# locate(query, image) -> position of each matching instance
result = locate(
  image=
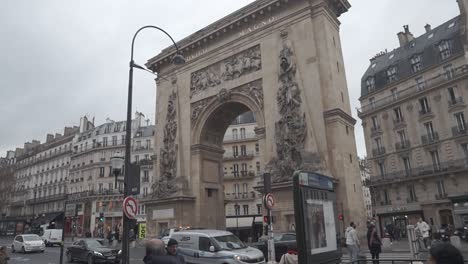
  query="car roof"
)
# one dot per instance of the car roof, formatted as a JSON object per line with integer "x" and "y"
{"x": 207, "y": 232}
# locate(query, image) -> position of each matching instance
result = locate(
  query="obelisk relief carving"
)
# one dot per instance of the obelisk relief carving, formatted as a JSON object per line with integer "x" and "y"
{"x": 166, "y": 184}
{"x": 291, "y": 128}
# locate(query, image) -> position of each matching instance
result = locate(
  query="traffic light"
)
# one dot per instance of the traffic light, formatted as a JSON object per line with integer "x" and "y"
{"x": 74, "y": 225}
{"x": 266, "y": 219}
{"x": 101, "y": 217}
{"x": 340, "y": 217}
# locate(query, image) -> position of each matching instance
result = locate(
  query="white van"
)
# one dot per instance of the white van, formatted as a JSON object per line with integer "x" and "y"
{"x": 52, "y": 237}
{"x": 215, "y": 246}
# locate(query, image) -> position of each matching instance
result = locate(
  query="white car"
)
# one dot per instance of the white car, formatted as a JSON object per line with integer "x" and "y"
{"x": 28, "y": 243}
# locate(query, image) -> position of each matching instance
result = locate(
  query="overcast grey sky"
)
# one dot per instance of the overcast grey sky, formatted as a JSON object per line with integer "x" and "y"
{"x": 64, "y": 59}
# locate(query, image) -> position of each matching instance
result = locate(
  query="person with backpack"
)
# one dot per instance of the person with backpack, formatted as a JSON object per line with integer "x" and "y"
{"x": 374, "y": 243}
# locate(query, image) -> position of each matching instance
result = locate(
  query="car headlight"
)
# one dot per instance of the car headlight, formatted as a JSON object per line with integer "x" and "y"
{"x": 98, "y": 254}
{"x": 120, "y": 252}
{"x": 240, "y": 258}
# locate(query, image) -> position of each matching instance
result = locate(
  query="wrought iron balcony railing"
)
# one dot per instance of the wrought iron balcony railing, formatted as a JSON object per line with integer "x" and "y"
{"x": 430, "y": 138}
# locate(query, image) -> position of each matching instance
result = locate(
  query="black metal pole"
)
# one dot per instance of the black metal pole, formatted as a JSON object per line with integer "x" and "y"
{"x": 126, "y": 222}
{"x": 63, "y": 231}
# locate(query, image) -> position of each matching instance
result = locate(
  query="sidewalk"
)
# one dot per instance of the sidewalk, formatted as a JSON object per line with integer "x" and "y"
{"x": 403, "y": 246}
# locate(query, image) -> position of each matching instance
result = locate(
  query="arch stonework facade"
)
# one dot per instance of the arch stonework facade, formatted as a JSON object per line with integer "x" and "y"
{"x": 279, "y": 59}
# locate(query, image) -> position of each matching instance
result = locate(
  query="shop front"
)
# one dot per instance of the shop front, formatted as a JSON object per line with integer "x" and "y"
{"x": 393, "y": 220}
{"x": 247, "y": 227}
{"x": 460, "y": 210}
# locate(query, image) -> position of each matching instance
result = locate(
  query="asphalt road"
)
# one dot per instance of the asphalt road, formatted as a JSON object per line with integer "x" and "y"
{"x": 52, "y": 254}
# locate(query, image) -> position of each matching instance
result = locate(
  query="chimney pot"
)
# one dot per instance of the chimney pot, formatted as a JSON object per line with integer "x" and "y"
{"x": 427, "y": 27}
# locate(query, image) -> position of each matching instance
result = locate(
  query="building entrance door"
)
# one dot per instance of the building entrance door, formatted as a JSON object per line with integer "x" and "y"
{"x": 400, "y": 227}
{"x": 446, "y": 217}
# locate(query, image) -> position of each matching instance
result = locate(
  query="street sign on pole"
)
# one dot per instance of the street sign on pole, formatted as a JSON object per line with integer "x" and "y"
{"x": 268, "y": 201}
{"x": 130, "y": 207}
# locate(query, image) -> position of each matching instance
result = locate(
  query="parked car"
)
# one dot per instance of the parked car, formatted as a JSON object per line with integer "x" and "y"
{"x": 282, "y": 242}
{"x": 28, "y": 243}
{"x": 93, "y": 251}
{"x": 52, "y": 237}
{"x": 215, "y": 246}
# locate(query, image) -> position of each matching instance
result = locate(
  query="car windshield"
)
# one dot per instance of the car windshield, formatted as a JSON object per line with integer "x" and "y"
{"x": 93, "y": 243}
{"x": 32, "y": 238}
{"x": 229, "y": 242}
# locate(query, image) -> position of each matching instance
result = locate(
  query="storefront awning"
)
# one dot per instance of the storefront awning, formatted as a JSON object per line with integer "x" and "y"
{"x": 242, "y": 221}
{"x": 47, "y": 218}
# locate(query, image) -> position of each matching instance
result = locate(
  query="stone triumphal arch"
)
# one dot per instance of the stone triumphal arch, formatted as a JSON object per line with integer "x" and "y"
{"x": 280, "y": 59}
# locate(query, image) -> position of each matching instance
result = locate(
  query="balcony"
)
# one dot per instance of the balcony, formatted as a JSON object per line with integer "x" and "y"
{"x": 236, "y": 156}
{"x": 399, "y": 122}
{"x": 375, "y": 130}
{"x": 399, "y": 146}
{"x": 459, "y": 131}
{"x": 239, "y": 196}
{"x": 414, "y": 200}
{"x": 430, "y": 138}
{"x": 231, "y": 138}
{"x": 411, "y": 90}
{"x": 441, "y": 196}
{"x": 378, "y": 152}
{"x": 141, "y": 148}
{"x": 425, "y": 112}
{"x": 457, "y": 101}
{"x": 422, "y": 172}
{"x": 50, "y": 198}
{"x": 241, "y": 175}
{"x": 383, "y": 203}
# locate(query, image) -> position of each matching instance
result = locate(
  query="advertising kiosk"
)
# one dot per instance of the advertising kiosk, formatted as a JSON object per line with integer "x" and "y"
{"x": 317, "y": 228}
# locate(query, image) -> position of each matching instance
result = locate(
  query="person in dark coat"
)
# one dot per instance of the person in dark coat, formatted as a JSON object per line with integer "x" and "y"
{"x": 171, "y": 249}
{"x": 374, "y": 243}
{"x": 155, "y": 253}
{"x": 445, "y": 253}
{"x": 3, "y": 255}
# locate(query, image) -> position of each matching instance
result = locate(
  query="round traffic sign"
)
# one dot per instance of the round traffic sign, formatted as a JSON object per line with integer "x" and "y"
{"x": 130, "y": 207}
{"x": 268, "y": 200}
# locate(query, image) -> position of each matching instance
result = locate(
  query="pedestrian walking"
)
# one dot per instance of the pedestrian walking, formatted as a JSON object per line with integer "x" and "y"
{"x": 155, "y": 253}
{"x": 352, "y": 242}
{"x": 374, "y": 244}
{"x": 423, "y": 227}
{"x": 3, "y": 255}
{"x": 445, "y": 253}
{"x": 290, "y": 257}
{"x": 171, "y": 249}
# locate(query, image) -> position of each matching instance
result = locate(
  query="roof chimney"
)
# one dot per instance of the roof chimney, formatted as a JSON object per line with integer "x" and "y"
{"x": 49, "y": 138}
{"x": 427, "y": 27}
{"x": 405, "y": 37}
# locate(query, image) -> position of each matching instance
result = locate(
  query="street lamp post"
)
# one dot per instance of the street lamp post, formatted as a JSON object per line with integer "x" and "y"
{"x": 176, "y": 59}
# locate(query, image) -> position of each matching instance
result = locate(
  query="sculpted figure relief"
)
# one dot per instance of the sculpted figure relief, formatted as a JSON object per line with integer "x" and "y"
{"x": 231, "y": 68}
{"x": 291, "y": 128}
{"x": 166, "y": 186}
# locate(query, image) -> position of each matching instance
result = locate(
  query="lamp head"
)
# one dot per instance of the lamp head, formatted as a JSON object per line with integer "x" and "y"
{"x": 178, "y": 59}
{"x": 117, "y": 161}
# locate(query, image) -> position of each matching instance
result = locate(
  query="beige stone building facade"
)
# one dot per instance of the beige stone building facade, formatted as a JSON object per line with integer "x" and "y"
{"x": 413, "y": 112}
{"x": 281, "y": 60}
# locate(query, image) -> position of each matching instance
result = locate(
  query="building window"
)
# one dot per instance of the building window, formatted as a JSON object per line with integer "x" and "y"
{"x": 235, "y": 170}
{"x": 242, "y": 133}
{"x": 235, "y": 151}
{"x": 243, "y": 150}
{"x": 110, "y": 186}
{"x": 416, "y": 63}
{"x": 137, "y": 158}
{"x": 372, "y": 102}
{"x": 435, "y": 160}
{"x": 145, "y": 176}
{"x": 424, "y": 106}
{"x": 378, "y": 143}
{"x": 246, "y": 209}
{"x": 114, "y": 140}
{"x": 412, "y": 194}
{"x": 110, "y": 171}
{"x": 234, "y": 134}
{"x": 398, "y": 115}
{"x": 100, "y": 187}
{"x": 392, "y": 74}
{"x": 381, "y": 166}
{"x": 258, "y": 166}
{"x": 460, "y": 117}
{"x": 245, "y": 188}
{"x": 148, "y": 143}
{"x": 145, "y": 191}
{"x": 122, "y": 140}
{"x": 244, "y": 169}
{"x": 429, "y": 130}
{"x": 104, "y": 141}
{"x": 440, "y": 187}
{"x": 101, "y": 172}
{"x": 449, "y": 72}
{"x": 444, "y": 49}
{"x": 237, "y": 209}
{"x": 257, "y": 148}
{"x": 259, "y": 209}
{"x": 375, "y": 123}
{"x": 407, "y": 164}
{"x": 370, "y": 84}
{"x": 402, "y": 137}
{"x": 420, "y": 83}
{"x": 386, "y": 197}
{"x": 452, "y": 96}
{"x": 394, "y": 92}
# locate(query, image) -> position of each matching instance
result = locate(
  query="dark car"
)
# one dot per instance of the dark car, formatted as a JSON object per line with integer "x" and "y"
{"x": 92, "y": 251}
{"x": 282, "y": 242}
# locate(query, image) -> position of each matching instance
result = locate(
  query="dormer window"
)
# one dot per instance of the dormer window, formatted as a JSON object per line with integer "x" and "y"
{"x": 416, "y": 63}
{"x": 370, "y": 84}
{"x": 392, "y": 74}
{"x": 444, "y": 49}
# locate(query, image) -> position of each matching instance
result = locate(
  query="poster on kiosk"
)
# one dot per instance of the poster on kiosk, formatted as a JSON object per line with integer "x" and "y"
{"x": 317, "y": 229}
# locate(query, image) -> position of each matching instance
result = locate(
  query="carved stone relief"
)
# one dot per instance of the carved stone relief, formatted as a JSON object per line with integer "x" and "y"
{"x": 409, "y": 107}
{"x": 437, "y": 97}
{"x": 166, "y": 185}
{"x": 231, "y": 68}
{"x": 253, "y": 89}
{"x": 291, "y": 128}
